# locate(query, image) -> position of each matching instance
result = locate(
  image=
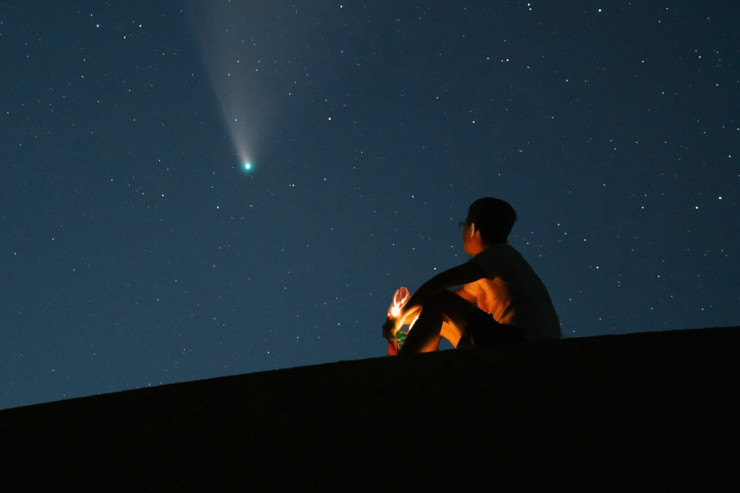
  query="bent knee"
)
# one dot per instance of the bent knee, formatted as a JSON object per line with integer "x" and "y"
{"x": 450, "y": 306}
{"x": 447, "y": 300}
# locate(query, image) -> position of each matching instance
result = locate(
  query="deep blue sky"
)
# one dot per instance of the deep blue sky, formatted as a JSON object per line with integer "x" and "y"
{"x": 134, "y": 251}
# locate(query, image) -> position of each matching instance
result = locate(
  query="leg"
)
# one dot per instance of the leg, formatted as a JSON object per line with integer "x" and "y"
{"x": 483, "y": 330}
{"x": 444, "y": 315}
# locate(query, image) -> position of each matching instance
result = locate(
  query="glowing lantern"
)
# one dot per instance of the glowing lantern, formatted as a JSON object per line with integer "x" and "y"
{"x": 400, "y": 298}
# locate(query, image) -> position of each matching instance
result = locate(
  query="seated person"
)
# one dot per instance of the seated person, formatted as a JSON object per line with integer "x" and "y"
{"x": 501, "y": 299}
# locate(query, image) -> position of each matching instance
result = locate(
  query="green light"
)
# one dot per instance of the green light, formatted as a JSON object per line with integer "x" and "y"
{"x": 247, "y": 166}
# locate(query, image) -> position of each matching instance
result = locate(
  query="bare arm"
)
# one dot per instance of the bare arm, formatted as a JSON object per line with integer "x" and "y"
{"x": 456, "y": 276}
{"x": 466, "y": 296}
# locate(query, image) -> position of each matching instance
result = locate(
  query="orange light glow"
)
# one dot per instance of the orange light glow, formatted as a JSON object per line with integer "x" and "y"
{"x": 399, "y": 300}
{"x": 401, "y": 326}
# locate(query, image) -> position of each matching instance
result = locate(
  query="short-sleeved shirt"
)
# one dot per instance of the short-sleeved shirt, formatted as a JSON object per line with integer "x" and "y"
{"x": 513, "y": 293}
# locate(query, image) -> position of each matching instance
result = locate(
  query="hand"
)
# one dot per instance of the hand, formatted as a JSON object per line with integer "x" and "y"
{"x": 389, "y": 328}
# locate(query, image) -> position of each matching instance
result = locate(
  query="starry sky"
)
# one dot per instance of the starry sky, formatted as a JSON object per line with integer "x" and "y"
{"x": 136, "y": 249}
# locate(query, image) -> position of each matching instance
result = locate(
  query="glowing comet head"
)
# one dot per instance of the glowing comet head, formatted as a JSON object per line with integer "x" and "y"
{"x": 245, "y": 157}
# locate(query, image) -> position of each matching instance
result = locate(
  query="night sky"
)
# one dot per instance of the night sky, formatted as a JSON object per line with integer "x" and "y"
{"x": 136, "y": 249}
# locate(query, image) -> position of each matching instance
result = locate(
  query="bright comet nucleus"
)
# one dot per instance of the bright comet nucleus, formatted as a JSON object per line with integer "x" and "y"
{"x": 247, "y": 166}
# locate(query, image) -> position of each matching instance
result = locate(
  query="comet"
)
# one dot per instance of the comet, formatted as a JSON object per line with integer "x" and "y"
{"x": 232, "y": 67}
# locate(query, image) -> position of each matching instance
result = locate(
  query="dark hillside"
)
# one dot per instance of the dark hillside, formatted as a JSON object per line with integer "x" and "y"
{"x": 648, "y": 411}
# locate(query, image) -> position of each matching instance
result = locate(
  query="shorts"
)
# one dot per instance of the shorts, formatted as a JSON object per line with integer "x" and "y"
{"x": 483, "y": 330}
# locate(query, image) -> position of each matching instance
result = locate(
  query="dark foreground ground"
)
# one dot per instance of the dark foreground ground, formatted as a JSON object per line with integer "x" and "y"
{"x": 651, "y": 411}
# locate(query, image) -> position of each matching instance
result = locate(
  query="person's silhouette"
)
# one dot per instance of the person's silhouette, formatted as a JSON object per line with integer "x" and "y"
{"x": 493, "y": 298}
